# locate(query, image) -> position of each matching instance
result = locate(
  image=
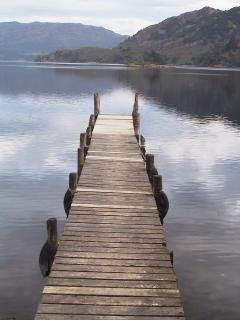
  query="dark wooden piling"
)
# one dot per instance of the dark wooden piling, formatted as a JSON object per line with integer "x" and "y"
{"x": 135, "y": 106}
{"x": 92, "y": 121}
{"x": 49, "y": 248}
{"x": 73, "y": 177}
{"x": 136, "y": 124}
{"x": 157, "y": 185}
{"x": 82, "y": 140}
{"x": 142, "y": 146}
{"x": 88, "y": 135}
{"x": 52, "y": 230}
{"x": 96, "y": 104}
{"x": 81, "y": 158}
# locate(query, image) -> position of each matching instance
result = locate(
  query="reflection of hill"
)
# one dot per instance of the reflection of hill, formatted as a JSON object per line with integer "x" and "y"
{"x": 199, "y": 93}
{"x": 44, "y": 80}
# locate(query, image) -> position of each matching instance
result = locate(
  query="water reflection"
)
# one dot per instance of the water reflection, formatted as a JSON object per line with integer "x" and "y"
{"x": 190, "y": 120}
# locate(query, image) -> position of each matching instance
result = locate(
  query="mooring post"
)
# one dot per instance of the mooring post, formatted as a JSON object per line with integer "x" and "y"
{"x": 142, "y": 141}
{"x": 157, "y": 185}
{"x": 135, "y": 106}
{"x": 92, "y": 121}
{"x": 96, "y": 104}
{"x": 88, "y": 135}
{"x": 52, "y": 231}
{"x": 149, "y": 162}
{"x": 171, "y": 257}
{"x": 80, "y": 160}
{"x": 72, "y": 181}
{"x": 136, "y": 124}
{"x": 82, "y": 140}
{"x": 142, "y": 146}
{"x": 151, "y": 169}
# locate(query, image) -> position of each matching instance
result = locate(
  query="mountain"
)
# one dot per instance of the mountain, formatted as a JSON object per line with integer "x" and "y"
{"x": 26, "y": 40}
{"x": 202, "y": 37}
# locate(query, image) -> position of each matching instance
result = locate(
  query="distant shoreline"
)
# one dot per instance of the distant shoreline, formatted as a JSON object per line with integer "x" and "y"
{"x": 127, "y": 65}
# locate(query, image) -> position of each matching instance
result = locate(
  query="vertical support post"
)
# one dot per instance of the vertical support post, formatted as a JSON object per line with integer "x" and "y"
{"x": 82, "y": 140}
{"x": 171, "y": 257}
{"x": 52, "y": 231}
{"x": 72, "y": 181}
{"x": 136, "y": 124}
{"x": 92, "y": 121}
{"x": 142, "y": 141}
{"x": 96, "y": 104}
{"x": 157, "y": 185}
{"x": 88, "y": 135}
{"x": 80, "y": 160}
{"x": 135, "y": 106}
{"x": 149, "y": 162}
{"x": 142, "y": 146}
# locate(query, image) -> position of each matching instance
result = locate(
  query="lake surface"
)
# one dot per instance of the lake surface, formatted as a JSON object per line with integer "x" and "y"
{"x": 191, "y": 121}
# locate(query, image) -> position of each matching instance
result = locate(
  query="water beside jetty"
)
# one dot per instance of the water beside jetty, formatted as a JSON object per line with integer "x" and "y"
{"x": 190, "y": 119}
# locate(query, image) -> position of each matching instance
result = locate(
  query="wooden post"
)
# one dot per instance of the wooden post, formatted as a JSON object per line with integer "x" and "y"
{"x": 135, "y": 106}
{"x": 88, "y": 135}
{"x": 157, "y": 185}
{"x": 96, "y": 104}
{"x": 72, "y": 181}
{"x": 142, "y": 146}
{"x": 92, "y": 121}
{"x": 171, "y": 257}
{"x": 136, "y": 123}
{"x": 142, "y": 141}
{"x": 85, "y": 151}
{"x": 82, "y": 140}
{"x": 52, "y": 230}
{"x": 80, "y": 160}
{"x": 149, "y": 162}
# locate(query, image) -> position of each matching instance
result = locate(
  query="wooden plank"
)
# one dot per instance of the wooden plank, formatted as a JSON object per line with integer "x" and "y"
{"x": 115, "y": 235}
{"x": 109, "y": 310}
{"x": 116, "y": 269}
{"x": 98, "y": 317}
{"x": 113, "y": 275}
{"x": 89, "y": 205}
{"x": 110, "y": 283}
{"x": 112, "y": 301}
{"x": 126, "y": 292}
{"x": 103, "y": 239}
{"x": 75, "y": 246}
{"x": 129, "y": 247}
{"x": 111, "y": 191}
{"x": 113, "y": 220}
{"x": 113, "y": 228}
{"x": 99, "y": 255}
{"x": 118, "y": 159}
{"x": 99, "y": 224}
{"x": 115, "y": 262}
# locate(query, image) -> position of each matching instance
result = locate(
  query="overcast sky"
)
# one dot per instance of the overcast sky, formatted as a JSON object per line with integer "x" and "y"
{"x": 123, "y": 16}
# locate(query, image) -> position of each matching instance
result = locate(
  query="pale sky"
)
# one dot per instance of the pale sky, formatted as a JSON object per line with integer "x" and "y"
{"x": 125, "y": 17}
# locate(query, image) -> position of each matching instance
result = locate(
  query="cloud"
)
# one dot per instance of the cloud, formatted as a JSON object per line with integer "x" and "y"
{"x": 126, "y": 17}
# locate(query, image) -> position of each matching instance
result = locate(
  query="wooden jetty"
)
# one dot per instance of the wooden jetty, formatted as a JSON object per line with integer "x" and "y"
{"x": 112, "y": 260}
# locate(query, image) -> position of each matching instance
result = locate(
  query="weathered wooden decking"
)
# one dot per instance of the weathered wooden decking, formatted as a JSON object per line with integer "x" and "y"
{"x": 112, "y": 261}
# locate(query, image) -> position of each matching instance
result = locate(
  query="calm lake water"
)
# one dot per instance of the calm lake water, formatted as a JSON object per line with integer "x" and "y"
{"x": 191, "y": 121}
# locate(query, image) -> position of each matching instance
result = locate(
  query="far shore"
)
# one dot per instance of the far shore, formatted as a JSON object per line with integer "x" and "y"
{"x": 140, "y": 65}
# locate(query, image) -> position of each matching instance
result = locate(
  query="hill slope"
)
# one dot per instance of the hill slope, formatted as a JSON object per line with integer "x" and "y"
{"x": 206, "y": 36}
{"x": 26, "y": 40}
{"x": 202, "y": 37}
